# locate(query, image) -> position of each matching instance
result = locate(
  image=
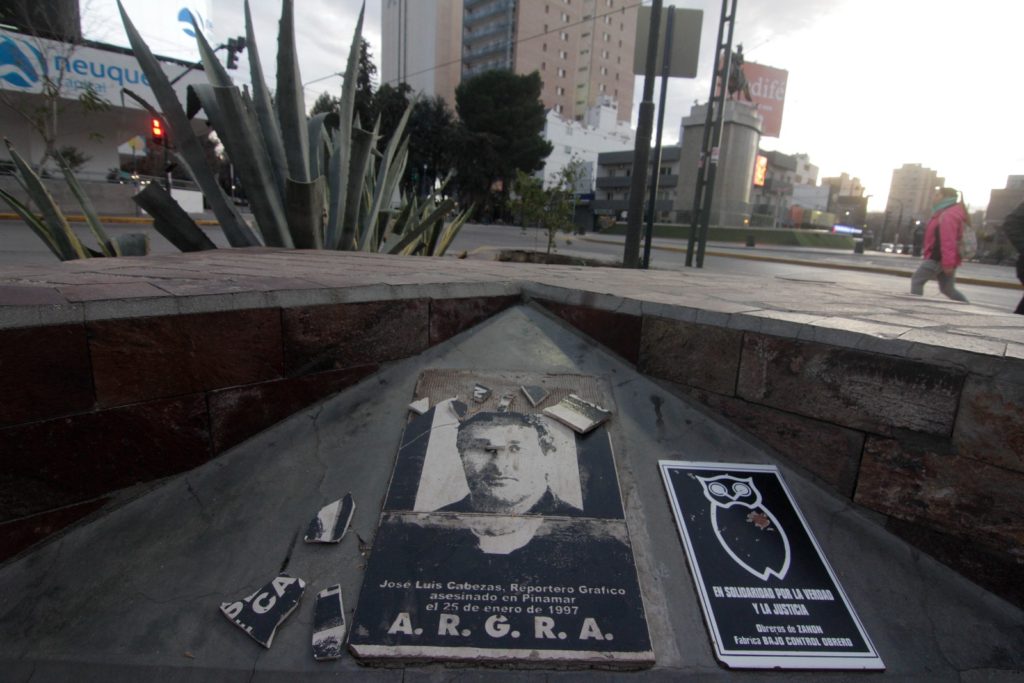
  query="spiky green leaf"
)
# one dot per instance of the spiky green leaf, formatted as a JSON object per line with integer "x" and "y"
{"x": 191, "y": 150}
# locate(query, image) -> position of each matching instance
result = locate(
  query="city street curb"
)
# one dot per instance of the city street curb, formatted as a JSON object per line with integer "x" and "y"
{"x": 818, "y": 264}
{"x": 140, "y": 220}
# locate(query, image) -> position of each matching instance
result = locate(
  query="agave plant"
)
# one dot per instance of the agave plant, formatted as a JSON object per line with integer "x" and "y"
{"x": 310, "y": 185}
{"x": 53, "y": 227}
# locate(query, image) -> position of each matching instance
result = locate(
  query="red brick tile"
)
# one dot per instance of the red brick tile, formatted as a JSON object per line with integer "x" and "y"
{"x": 699, "y": 356}
{"x": 345, "y": 335}
{"x": 239, "y": 412}
{"x": 50, "y": 464}
{"x": 19, "y": 534}
{"x": 826, "y": 450}
{"x": 619, "y": 332}
{"x": 44, "y": 372}
{"x": 865, "y": 391}
{"x": 144, "y": 358}
{"x": 448, "y": 317}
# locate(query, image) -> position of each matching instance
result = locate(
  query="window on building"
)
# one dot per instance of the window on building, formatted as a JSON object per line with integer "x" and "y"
{"x": 605, "y": 37}
{"x": 543, "y": 47}
{"x": 546, "y": 8}
{"x": 558, "y": 108}
{"x": 543, "y": 66}
{"x": 600, "y": 88}
{"x": 565, "y": 17}
{"x": 563, "y": 35}
{"x": 604, "y": 71}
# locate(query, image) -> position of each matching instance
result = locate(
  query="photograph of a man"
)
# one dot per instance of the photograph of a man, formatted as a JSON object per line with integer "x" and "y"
{"x": 507, "y": 460}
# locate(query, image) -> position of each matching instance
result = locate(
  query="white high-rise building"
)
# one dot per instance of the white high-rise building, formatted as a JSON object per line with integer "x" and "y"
{"x": 422, "y": 46}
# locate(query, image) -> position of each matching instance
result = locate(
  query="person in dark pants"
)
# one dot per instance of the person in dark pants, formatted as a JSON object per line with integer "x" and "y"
{"x": 1013, "y": 226}
{"x": 941, "y": 252}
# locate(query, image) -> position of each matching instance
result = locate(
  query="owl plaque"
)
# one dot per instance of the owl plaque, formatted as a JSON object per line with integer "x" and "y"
{"x": 770, "y": 598}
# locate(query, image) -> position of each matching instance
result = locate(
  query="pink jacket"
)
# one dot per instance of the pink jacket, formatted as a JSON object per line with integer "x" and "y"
{"x": 950, "y": 222}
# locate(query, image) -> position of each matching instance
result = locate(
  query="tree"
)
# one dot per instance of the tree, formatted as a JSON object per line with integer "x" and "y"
{"x": 503, "y": 117}
{"x": 364, "y": 85}
{"x": 51, "y": 39}
{"x": 325, "y": 104}
{"x": 551, "y": 209}
{"x": 431, "y": 143}
{"x": 389, "y": 103}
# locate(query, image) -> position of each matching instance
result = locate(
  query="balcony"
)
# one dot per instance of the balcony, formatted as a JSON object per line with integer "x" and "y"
{"x": 476, "y": 53}
{"x": 498, "y": 28}
{"x": 471, "y": 18}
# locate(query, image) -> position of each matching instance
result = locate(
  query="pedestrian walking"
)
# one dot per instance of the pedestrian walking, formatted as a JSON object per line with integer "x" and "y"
{"x": 1013, "y": 226}
{"x": 940, "y": 255}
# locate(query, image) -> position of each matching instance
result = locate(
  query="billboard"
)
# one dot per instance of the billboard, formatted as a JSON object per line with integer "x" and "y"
{"x": 166, "y": 27}
{"x": 760, "y": 170}
{"x": 768, "y": 90}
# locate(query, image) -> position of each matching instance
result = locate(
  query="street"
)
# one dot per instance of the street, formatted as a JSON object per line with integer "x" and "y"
{"x": 484, "y": 241}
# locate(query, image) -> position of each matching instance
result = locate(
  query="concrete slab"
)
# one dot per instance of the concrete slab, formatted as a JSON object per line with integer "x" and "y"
{"x": 135, "y": 594}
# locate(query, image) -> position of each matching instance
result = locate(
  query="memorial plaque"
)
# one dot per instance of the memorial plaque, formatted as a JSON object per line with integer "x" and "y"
{"x": 769, "y": 596}
{"x": 502, "y": 538}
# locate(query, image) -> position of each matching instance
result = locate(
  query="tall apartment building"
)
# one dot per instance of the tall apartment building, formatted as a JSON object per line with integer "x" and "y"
{"x": 422, "y": 45}
{"x": 910, "y": 195}
{"x": 583, "y": 49}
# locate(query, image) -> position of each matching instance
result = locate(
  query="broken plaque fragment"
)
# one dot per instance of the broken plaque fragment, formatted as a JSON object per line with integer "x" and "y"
{"x": 328, "y": 624}
{"x": 481, "y": 393}
{"x": 421, "y": 406}
{"x": 331, "y": 522}
{"x": 580, "y": 415}
{"x": 505, "y": 403}
{"x": 261, "y": 613}
{"x": 534, "y": 394}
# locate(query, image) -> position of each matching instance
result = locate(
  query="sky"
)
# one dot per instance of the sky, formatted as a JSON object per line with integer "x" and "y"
{"x": 873, "y": 84}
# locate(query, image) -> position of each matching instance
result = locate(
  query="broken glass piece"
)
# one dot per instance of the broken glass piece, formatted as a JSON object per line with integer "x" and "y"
{"x": 421, "y": 406}
{"x": 261, "y": 613}
{"x": 481, "y": 393}
{"x": 505, "y": 403}
{"x": 534, "y": 394}
{"x": 331, "y": 522}
{"x": 328, "y": 624}
{"x": 580, "y": 415}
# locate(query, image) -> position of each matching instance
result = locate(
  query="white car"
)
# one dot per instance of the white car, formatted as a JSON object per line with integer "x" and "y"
{"x": 888, "y": 247}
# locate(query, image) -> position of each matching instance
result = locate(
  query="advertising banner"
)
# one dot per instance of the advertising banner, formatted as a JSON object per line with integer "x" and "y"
{"x": 768, "y": 90}
{"x": 770, "y": 598}
{"x": 502, "y": 537}
{"x": 24, "y": 60}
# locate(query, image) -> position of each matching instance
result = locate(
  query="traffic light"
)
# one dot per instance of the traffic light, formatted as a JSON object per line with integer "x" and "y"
{"x": 157, "y": 130}
{"x": 235, "y": 45}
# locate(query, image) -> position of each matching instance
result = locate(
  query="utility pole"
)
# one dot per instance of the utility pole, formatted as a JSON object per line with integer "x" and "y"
{"x": 666, "y": 58}
{"x": 642, "y": 148}
{"x": 713, "y": 123}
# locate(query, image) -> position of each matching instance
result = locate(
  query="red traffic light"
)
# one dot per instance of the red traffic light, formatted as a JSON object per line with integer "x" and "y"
{"x": 157, "y": 129}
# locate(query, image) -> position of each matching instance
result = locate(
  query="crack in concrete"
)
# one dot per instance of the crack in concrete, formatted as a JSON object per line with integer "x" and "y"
{"x": 203, "y": 512}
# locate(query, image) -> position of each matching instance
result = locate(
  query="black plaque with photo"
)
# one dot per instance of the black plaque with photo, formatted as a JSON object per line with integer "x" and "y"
{"x": 769, "y": 596}
{"x": 503, "y": 537}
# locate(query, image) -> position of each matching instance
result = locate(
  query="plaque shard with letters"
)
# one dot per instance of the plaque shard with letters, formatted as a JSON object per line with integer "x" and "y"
{"x": 502, "y": 539}
{"x": 769, "y": 596}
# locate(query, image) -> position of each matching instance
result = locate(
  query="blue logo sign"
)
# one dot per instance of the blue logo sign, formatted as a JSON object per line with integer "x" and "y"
{"x": 16, "y": 67}
{"x": 186, "y": 17}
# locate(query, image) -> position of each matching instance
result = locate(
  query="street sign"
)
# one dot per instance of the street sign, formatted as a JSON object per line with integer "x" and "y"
{"x": 770, "y": 598}
{"x": 685, "y": 40}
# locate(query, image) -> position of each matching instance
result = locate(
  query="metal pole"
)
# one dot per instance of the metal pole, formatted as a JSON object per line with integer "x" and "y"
{"x": 716, "y": 141}
{"x": 642, "y": 148}
{"x": 666, "y": 59}
{"x": 702, "y": 168}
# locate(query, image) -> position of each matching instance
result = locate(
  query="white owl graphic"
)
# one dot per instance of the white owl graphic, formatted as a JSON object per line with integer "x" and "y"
{"x": 747, "y": 530}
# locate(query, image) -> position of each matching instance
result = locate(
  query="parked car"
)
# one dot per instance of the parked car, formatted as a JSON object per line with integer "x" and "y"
{"x": 888, "y": 247}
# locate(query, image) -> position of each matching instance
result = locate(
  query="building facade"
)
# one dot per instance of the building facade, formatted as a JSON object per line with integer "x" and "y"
{"x": 770, "y": 202}
{"x": 422, "y": 46}
{"x": 910, "y": 200}
{"x": 600, "y": 131}
{"x": 615, "y": 175}
{"x": 583, "y": 49}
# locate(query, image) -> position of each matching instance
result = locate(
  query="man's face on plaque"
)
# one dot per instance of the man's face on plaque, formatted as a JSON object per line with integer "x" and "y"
{"x": 505, "y": 467}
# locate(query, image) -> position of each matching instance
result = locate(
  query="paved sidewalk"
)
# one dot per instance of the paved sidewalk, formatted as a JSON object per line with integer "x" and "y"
{"x": 233, "y": 279}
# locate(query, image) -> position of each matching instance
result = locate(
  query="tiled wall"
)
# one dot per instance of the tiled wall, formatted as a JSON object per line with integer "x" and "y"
{"x": 937, "y": 449}
{"x": 94, "y": 408}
